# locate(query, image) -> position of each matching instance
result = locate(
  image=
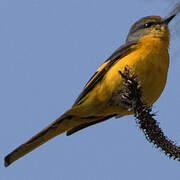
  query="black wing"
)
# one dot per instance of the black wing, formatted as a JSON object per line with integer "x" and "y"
{"x": 98, "y": 76}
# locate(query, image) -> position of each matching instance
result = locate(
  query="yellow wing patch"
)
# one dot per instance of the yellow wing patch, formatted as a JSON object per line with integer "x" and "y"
{"x": 100, "y": 73}
{"x": 97, "y": 72}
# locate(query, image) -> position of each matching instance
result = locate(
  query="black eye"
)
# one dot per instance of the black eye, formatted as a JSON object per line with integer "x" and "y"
{"x": 148, "y": 24}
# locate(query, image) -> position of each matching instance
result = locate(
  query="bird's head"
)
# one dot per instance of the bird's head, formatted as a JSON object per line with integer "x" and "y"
{"x": 150, "y": 26}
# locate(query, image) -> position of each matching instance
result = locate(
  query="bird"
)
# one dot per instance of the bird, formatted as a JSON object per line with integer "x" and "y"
{"x": 145, "y": 52}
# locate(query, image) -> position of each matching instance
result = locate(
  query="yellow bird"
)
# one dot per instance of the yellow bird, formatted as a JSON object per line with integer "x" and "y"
{"x": 145, "y": 52}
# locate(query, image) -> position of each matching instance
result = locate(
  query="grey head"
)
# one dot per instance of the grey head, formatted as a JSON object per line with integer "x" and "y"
{"x": 149, "y": 25}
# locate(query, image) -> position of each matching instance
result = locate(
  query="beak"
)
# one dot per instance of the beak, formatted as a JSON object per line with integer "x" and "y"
{"x": 167, "y": 20}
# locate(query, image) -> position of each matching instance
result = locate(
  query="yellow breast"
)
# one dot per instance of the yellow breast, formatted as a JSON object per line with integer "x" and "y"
{"x": 150, "y": 62}
{"x": 151, "y": 67}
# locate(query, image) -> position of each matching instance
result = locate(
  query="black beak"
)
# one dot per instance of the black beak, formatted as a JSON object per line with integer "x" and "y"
{"x": 167, "y": 20}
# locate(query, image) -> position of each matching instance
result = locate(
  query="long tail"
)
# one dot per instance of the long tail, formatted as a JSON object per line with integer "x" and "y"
{"x": 59, "y": 126}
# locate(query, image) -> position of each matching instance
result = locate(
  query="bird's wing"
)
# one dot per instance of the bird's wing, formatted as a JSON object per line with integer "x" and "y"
{"x": 67, "y": 123}
{"x": 98, "y": 76}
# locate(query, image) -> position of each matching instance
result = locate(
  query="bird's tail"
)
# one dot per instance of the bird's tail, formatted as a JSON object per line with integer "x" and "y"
{"x": 59, "y": 126}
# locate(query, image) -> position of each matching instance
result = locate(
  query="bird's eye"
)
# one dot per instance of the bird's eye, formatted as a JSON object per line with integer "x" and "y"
{"x": 148, "y": 24}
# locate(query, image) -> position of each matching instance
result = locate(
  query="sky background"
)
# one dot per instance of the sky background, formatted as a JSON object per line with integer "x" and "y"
{"x": 48, "y": 51}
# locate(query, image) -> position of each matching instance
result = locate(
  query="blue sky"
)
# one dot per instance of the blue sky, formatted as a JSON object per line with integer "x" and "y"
{"x": 49, "y": 50}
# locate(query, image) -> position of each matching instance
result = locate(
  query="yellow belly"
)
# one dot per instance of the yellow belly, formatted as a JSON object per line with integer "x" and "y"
{"x": 149, "y": 61}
